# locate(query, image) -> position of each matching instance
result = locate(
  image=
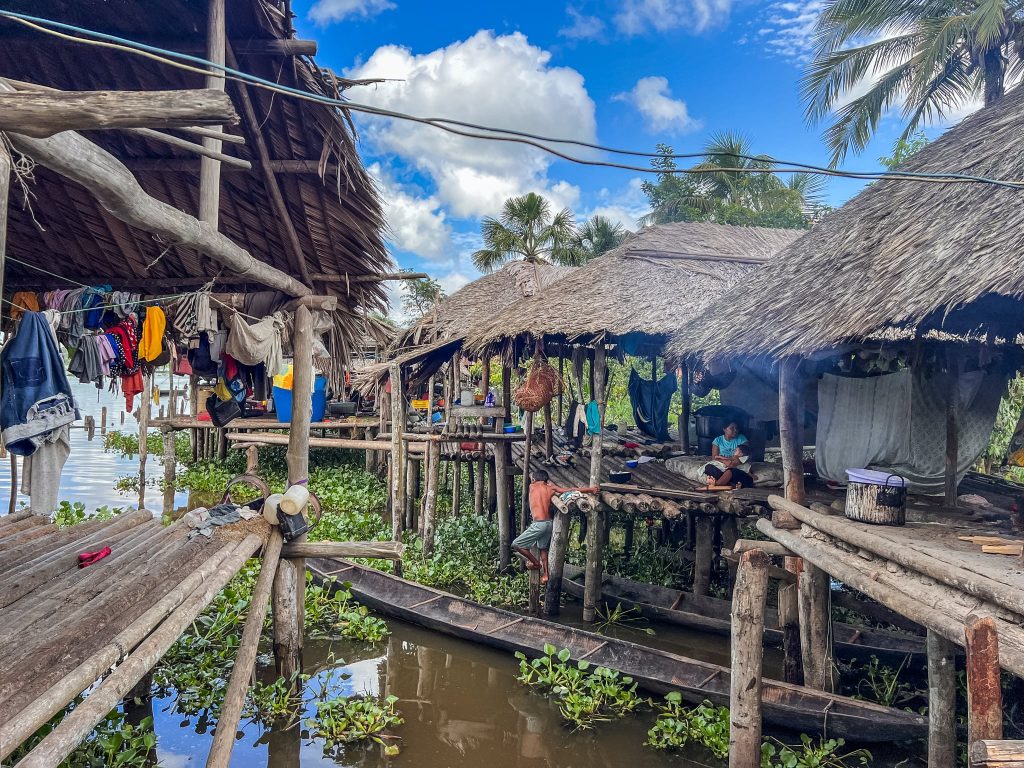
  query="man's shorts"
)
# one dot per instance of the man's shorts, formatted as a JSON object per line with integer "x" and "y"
{"x": 536, "y": 536}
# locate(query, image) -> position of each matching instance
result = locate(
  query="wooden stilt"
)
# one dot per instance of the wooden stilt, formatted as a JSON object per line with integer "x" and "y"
{"x": 397, "y": 453}
{"x": 524, "y": 510}
{"x": 456, "y": 487}
{"x": 170, "y": 471}
{"x": 789, "y": 623}
{"x": 533, "y": 603}
{"x": 791, "y": 440}
{"x": 103, "y": 420}
{"x": 479, "y": 491}
{"x": 815, "y": 628}
{"x": 412, "y": 490}
{"x": 12, "y": 503}
{"x": 290, "y": 581}
{"x": 952, "y": 431}
{"x": 561, "y": 386}
{"x": 548, "y": 432}
{"x": 941, "y": 702}
{"x": 144, "y": 406}
{"x": 492, "y": 482}
{"x": 595, "y": 521}
{"x": 209, "y": 169}
{"x": 560, "y": 525}
{"x": 984, "y": 693}
{"x": 704, "y": 554}
{"x": 430, "y": 497}
{"x": 501, "y": 465}
{"x": 747, "y": 652}
{"x": 684, "y": 414}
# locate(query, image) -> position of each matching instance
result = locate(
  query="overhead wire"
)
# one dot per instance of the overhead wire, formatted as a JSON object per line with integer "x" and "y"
{"x": 162, "y": 55}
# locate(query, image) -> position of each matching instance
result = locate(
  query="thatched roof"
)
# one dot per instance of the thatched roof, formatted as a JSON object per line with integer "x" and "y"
{"x": 654, "y": 282}
{"x": 901, "y": 259}
{"x": 474, "y": 304}
{"x": 337, "y": 217}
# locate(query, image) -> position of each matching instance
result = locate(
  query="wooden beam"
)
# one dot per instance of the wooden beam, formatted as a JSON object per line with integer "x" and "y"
{"x": 378, "y": 550}
{"x": 747, "y": 660}
{"x": 44, "y": 113}
{"x": 77, "y": 158}
{"x": 997, "y": 754}
{"x": 242, "y": 46}
{"x": 595, "y": 518}
{"x": 209, "y": 168}
{"x": 791, "y": 435}
{"x": 283, "y": 216}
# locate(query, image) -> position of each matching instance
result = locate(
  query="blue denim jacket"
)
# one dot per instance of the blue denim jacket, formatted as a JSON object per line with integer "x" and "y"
{"x": 36, "y": 396}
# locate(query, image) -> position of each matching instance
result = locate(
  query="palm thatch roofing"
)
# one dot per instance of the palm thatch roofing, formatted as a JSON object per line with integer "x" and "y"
{"x": 331, "y": 201}
{"x": 475, "y": 303}
{"x": 902, "y": 259}
{"x": 650, "y": 285}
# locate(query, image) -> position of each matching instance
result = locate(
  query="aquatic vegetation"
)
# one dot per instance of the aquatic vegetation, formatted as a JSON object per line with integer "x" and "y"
{"x": 280, "y": 701}
{"x": 343, "y": 720}
{"x": 331, "y": 612}
{"x": 621, "y": 618}
{"x": 824, "y": 753}
{"x": 71, "y": 513}
{"x": 883, "y": 684}
{"x": 586, "y": 695}
{"x": 114, "y": 741}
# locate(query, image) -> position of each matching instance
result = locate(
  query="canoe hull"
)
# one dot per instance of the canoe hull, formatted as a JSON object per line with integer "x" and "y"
{"x": 788, "y": 707}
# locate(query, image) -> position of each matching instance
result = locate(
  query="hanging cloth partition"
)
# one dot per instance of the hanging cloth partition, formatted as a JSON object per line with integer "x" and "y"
{"x": 651, "y": 401}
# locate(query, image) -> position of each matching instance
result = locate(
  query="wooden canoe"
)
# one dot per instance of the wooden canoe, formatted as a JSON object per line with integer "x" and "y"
{"x": 789, "y": 707}
{"x": 710, "y": 614}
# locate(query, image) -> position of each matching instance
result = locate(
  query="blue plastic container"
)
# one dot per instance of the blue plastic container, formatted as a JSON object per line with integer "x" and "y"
{"x": 283, "y": 401}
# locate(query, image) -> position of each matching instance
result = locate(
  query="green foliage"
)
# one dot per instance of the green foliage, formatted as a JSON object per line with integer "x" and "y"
{"x": 279, "y": 702}
{"x": 127, "y": 445}
{"x": 420, "y": 296}
{"x": 68, "y": 513}
{"x": 619, "y": 617}
{"x": 882, "y": 684}
{"x": 527, "y": 229}
{"x": 331, "y": 612}
{"x": 113, "y": 742}
{"x": 904, "y": 148}
{"x": 585, "y": 695}
{"x": 825, "y": 753}
{"x": 1009, "y": 412}
{"x": 342, "y": 720}
{"x": 599, "y": 235}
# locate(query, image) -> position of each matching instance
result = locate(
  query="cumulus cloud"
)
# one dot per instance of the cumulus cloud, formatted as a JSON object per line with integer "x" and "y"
{"x": 416, "y": 222}
{"x": 652, "y": 98}
{"x": 636, "y": 17}
{"x": 582, "y": 26}
{"x": 502, "y": 81}
{"x": 331, "y": 11}
{"x": 625, "y": 206}
{"x": 787, "y": 29}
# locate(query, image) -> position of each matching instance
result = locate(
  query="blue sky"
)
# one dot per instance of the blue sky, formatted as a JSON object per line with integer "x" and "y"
{"x": 626, "y": 73}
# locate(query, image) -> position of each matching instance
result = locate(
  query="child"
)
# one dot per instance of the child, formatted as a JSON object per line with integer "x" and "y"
{"x": 537, "y": 535}
{"x": 721, "y": 474}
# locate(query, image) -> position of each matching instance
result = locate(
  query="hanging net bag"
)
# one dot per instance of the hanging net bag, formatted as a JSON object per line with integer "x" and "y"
{"x": 538, "y": 388}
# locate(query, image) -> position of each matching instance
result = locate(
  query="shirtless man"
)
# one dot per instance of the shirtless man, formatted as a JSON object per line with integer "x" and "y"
{"x": 538, "y": 535}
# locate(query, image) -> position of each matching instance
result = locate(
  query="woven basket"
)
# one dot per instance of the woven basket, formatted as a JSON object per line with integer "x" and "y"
{"x": 538, "y": 388}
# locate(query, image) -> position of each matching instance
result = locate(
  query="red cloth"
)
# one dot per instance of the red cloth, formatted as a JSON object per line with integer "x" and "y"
{"x": 85, "y": 559}
{"x": 131, "y": 386}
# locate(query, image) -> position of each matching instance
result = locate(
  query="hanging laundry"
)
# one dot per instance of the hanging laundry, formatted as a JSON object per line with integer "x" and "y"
{"x": 107, "y": 354}
{"x": 131, "y": 385}
{"x": 257, "y": 343}
{"x": 86, "y": 363}
{"x": 152, "y": 342}
{"x": 37, "y": 396}
{"x": 124, "y": 303}
{"x": 40, "y": 472}
{"x": 593, "y": 418}
{"x": 650, "y": 401}
{"x": 24, "y": 301}
{"x": 217, "y": 342}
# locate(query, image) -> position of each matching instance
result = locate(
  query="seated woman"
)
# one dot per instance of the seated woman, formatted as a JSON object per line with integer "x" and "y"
{"x": 729, "y": 451}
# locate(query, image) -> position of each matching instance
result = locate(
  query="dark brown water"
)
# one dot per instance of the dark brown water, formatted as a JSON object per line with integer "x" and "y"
{"x": 462, "y": 707}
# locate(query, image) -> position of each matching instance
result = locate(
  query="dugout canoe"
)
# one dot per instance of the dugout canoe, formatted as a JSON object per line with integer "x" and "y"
{"x": 710, "y": 614}
{"x": 788, "y": 707}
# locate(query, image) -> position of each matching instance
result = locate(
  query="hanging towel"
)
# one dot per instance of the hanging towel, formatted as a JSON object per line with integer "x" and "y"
{"x": 593, "y": 418}
{"x": 37, "y": 396}
{"x": 258, "y": 343}
{"x": 40, "y": 473}
{"x": 24, "y": 301}
{"x": 152, "y": 342}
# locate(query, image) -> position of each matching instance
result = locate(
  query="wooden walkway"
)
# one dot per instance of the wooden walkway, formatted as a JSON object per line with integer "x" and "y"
{"x": 63, "y": 627}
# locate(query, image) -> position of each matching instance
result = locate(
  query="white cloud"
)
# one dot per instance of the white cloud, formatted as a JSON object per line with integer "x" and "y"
{"x": 453, "y": 281}
{"x": 623, "y": 207}
{"x": 501, "y": 81}
{"x": 583, "y": 27}
{"x": 652, "y": 98}
{"x": 635, "y": 17}
{"x": 416, "y": 223}
{"x": 788, "y": 29}
{"x": 331, "y": 11}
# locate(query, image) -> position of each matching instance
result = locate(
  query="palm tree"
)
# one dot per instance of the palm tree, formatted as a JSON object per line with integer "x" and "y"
{"x": 599, "y": 235}
{"x": 929, "y": 56}
{"x": 527, "y": 230}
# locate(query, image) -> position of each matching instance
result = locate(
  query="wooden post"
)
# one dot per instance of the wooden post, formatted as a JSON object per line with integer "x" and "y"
{"x": 548, "y": 433}
{"x": 952, "y": 429}
{"x": 170, "y": 471}
{"x": 501, "y": 465}
{"x": 595, "y": 523}
{"x": 747, "y": 652}
{"x": 412, "y": 488}
{"x": 561, "y": 386}
{"x": 560, "y": 525}
{"x": 433, "y": 461}
{"x": 524, "y": 510}
{"x": 144, "y": 406}
{"x": 492, "y": 481}
{"x": 533, "y": 603}
{"x": 193, "y": 410}
{"x": 704, "y": 555}
{"x": 290, "y": 581}
{"x": 984, "y": 694}
{"x": 397, "y": 453}
{"x": 456, "y": 486}
{"x": 815, "y": 628}
{"x": 941, "y": 702}
{"x": 480, "y": 489}
{"x": 103, "y": 420}
{"x": 687, "y": 403}
{"x": 789, "y": 624}
{"x": 791, "y": 438}
{"x": 209, "y": 169}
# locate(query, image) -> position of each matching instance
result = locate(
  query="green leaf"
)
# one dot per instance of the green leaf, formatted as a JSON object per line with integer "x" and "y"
{"x": 549, "y": 649}
{"x": 563, "y": 655}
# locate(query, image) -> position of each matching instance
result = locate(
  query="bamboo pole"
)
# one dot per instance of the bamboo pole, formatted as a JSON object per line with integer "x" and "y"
{"x": 397, "y": 452}
{"x": 984, "y": 693}
{"x": 747, "y": 651}
{"x": 430, "y": 497}
{"x": 144, "y": 408}
{"x": 63, "y": 739}
{"x": 245, "y": 659}
{"x": 941, "y": 701}
{"x": 595, "y": 523}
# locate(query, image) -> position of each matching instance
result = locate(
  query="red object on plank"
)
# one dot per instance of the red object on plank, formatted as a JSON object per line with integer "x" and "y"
{"x": 85, "y": 559}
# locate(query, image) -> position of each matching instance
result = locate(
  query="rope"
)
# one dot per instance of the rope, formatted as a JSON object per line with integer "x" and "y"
{"x": 494, "y": 134}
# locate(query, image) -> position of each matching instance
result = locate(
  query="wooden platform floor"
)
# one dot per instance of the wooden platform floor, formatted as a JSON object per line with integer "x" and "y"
{"x": 57, "y": 620}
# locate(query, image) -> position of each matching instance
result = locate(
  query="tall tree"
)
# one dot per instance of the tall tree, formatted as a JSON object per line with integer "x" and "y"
{"x": 599, "y": 235}
{"x": 420, "y": 296}
{"x": 928, "y": 56}
{"x": 527, "y": 230}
